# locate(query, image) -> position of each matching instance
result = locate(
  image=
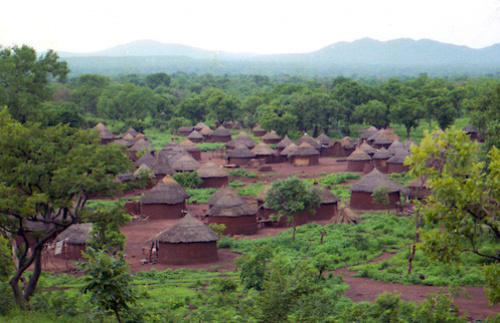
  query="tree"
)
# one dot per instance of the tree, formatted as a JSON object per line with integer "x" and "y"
{"x": 465, "y": 199}
{"x": 291, "y": 198}
{"x": 108, "y": 281}
{"x": 158, "y": 79}
{"x": 88, "y": 90}
{"x": 221, "y": 106}
{"x": 47, "y": 176}
{"x": 408, "y": 112}
{"x": 24, "y": 80}
{"x": 374, "y": 113}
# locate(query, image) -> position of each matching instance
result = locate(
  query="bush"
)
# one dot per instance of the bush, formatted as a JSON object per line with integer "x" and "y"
{"x": 240, "y": 172}
{"x": 188, "y": 179}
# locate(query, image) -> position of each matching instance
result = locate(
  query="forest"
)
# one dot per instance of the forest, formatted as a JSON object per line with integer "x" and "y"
{"x": 53, "y": 162}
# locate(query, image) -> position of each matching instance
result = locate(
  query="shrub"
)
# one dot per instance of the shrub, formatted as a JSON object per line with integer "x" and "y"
{"x": 188, "y": 179}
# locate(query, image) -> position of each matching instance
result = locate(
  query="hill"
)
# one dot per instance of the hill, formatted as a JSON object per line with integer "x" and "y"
{"x": 364, "y": 57}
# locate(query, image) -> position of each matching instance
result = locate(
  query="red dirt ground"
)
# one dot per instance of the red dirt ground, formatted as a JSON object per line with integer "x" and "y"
{"x": 362, "y": 289}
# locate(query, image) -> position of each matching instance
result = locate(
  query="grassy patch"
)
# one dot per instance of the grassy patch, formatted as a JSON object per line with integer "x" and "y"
{"x": 251, "y": 190}
{"x": 240, "y": 172}
{"x": 97, "y": 204}
{"x": 236, "y": 184}
{"x": 200, "y": 195}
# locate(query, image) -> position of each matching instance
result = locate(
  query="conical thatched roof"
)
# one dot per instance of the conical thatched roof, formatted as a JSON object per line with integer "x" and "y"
{"x": 147, "y": 159}
{"x": 289, "y": 149}
{"x": 187, "y": 129}
{"x": 200, "y": 125}
{"x": 420, "y": 182}
{"x": 284, "y": 143}
{"x": 304, "y": 150}
{"x": 242, "y": 138}
{"x": 231, "y": 205}
{"x": 142, "y": 144}
{"x": 408, "y": 143}
{"x": 374, "y": 180}
{"x": 195, "y": 135}
{"x": 271, "y": 135}
{"x": 399, "y": 157}
{"x": 348, "y": 142}
{"x": 387, "y": 133}
{"x": 263, "y": 150}
{"x": 103, "y": 131}
{"x": 368, "y": 149}
{"x": 262, "y": 195}
{"x": 368, "y": 133}
{"x": 220, "y": 193}
{"x": 324, "y": 140}
{"x": 241, "y": 152}
{"x": 170, "y": 144}
{"x": 210, "y": 170}
{"x": 161, "y": 166}
{"x": 345, "y": 215}
{"x": 382, "y": 141}
{"x": 75, "y": 233}
{"x": 186, "y": 230}
{"x": 395, "y": 146}
{"x": 305, "y": 138}
{"x": 206, "y": 131}
{"x": 130, "y": 131}
{"x": 221, "y": 132}
{"x": 166, "y": 191}
{"x": 257, "y": 128}
{"x": 186, "y": 164}
{"x": 382, "y": 153}
{"x": 126, "y": 141}
{"x": 325, "y": 195}
{"x": 469, "y": 129}
{"x": 144, "y": 169}
{"x": 189, "y": 145}
{"x": 359, "y": 155}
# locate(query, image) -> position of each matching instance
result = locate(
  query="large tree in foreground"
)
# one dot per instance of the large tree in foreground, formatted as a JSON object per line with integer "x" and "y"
{"x": 24, "y": 80}
{"x": 46, "y": 177}
{"x": 465, "y": 204}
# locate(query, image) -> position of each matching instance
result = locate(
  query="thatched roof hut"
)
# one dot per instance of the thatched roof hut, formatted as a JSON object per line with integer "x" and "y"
{"x": 186, "y": 163}
{"x": 419, "y": 188}
{"x": 344, "y": 147}
{"x": 380, "y": 160}
{"x": 184, "y": 131}
{"x": 289, "y": 149}
{"x": 240, "y": 156}
{"x": 144, "y": 169}
{"x": 359, "y": 155}
{"x": 221, "y": 134}
{"x": 189, "y": 241}
{"x": 263, "y": 151}
{"x": 200, "y": 125}
{"x": 305, "y": 138}
{"x": 212, "y": 176}
{"x": 72, "y": 242}
{"x": 396, "y": 162}
{"x": 271, "y": 137}
{"x": 395, "y": 146}
{"x": 165, "y": 200}
{"x": 357, "y": 160}
{"x": 206, "y": 132}
{"x": 147, "y": 159}
{"x": 242, "y": 138}
{"x": 232, "y": 211}
{"x": 284, "y": 143}
{"x": 305, "y": 155}
{"x": 195, "y": 136}
{"x": 362, "y": 190}
{"x": 130, "y": 131}
{"x": 368, "y": 133}
{"x": 220, "y": 193}
{"x": 142, "y": 144}
{"x": 191, "y": 148}
{"x": 258, "y": 131}
{"x": 104, "y": 134}
{"x": 368, "y": 149}
{"x": 324, "y": 140}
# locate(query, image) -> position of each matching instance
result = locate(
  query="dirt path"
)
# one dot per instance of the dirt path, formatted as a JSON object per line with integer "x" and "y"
{"x": 365, "y": 289}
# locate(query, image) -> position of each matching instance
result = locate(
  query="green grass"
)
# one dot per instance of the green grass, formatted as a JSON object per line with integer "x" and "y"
{"x": 330, "y": 180}
{"x": 402, "y": 179}
{"x": 236, "y": 184}
{"x": 96, "y": 204}
{"x": 160, "y": 138}
{"x": 240, "y": 172}
{"x": 251, "y": 190}
{"x": 200, "y": 195}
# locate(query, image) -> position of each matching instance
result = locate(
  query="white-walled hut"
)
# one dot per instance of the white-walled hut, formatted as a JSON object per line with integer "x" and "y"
{"x": 187, "y": 242}
{"x": 166, "y": 200}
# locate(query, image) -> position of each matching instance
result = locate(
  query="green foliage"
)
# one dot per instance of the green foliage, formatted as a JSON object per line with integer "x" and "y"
{"x": 200, "y": 195}
{"x": 6, "y": 262}
{"x": 108, "y": 281}
{"x": 24, "y": 79}
{"x": 492, "y": 274}
{"x": 218, "y": 228}
{"x": 253, "y": 267}
{"x": 188, "y": 179}
{"x": 106, "y": 229}
{"x": 330, "y": 180}
{"x": 236, "y": 184}
{"x": 381, "y": 195}
{"x": 251, "y": 190}
{"x": 240, "y": 172}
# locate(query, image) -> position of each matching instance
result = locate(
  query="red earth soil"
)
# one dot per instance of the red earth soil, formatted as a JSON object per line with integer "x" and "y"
{"x": 361, "y": 289}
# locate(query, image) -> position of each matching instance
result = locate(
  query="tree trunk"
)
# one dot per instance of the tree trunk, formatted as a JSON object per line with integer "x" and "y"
{"x": 315, "y": 132}
{"x": 418, "y": 224}
{"x": 117, "y": 315}
{"x": 14, "y": 283}
{"x": 37, "y": 270}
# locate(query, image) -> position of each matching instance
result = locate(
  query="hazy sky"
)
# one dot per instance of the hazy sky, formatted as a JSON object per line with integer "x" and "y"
{"x": 258, "y": 26}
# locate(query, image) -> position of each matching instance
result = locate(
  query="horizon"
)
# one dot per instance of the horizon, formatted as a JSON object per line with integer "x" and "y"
{"x": 260, "y": 27}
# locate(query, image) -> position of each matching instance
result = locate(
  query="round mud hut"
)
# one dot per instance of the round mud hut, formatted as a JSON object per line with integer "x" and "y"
{"x": 264, "y": 152}
{"x": 240, "y": 156}
{"x": 362, "y": 190}
{"x": 200, "y": 125}
{"x": 258, "y": 131}
{"x": 271, "y": 137}
{"x": 221, "y": 134}
{"x": 311, "y": 141}
{"x": 206, "y": 132}
{"x": 327, "y": 207}
{"x": 104, "y": 134}
{"x": 380, "y": 160}
{"x": 191, "y": 148}
{"x": 396, "y": 164}
{"x": 285, "y": 153}
{"x": 213, "y": 176}
{"x": 326, "y": 145}
{"x": 186, "y": 163}
{"x": 419, "y": 189}
{"x": 195, "y": 137}
{"x": 357, "y": 160}
{"x": 242, "y": 138}
{"x": 70, "y": 243}
{"x": 344, "y": 147}
{"x": 283, "y": 143}
{"x": 184, "y": 131}
{"x": 368, "y": 133}
{"x": 232, "y": 211}
{"x": 166, "y": 200}
{"x": 187, "y": 242}
{"x": 304, "y": 155}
